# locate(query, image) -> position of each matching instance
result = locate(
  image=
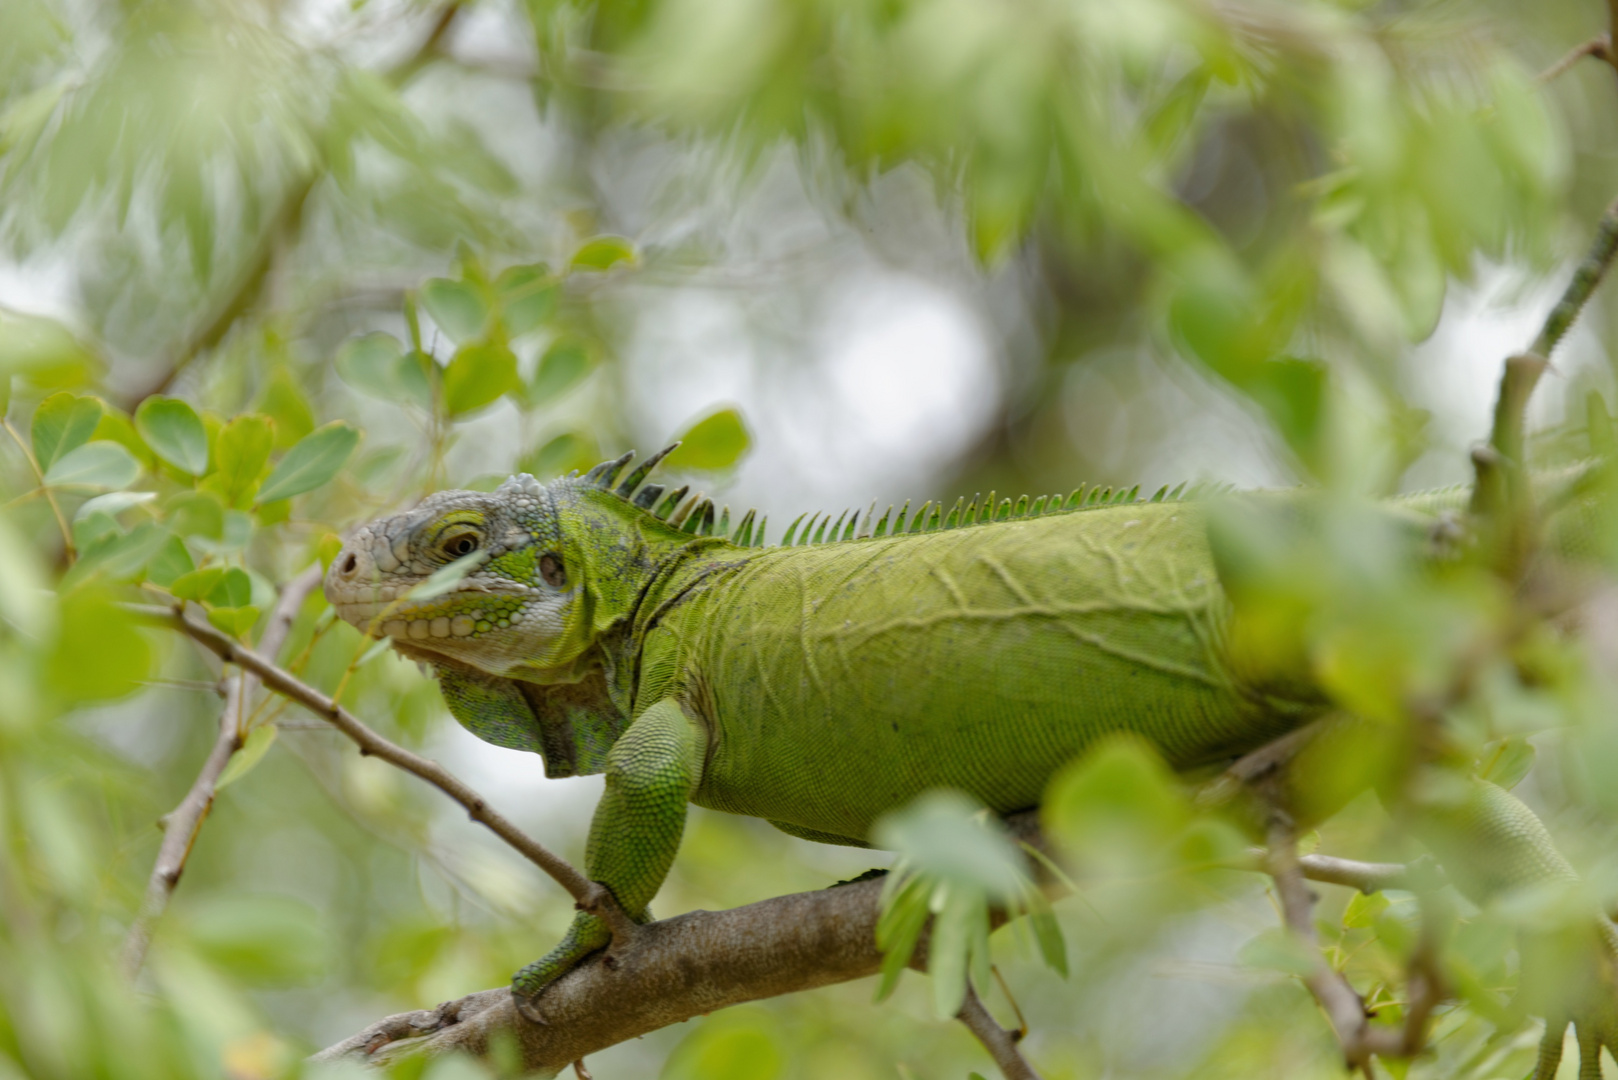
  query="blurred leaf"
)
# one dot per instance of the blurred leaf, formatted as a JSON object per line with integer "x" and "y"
{"x": 717, "y": 441}
{"x": 267, "y": 939}
{"x": 446, "y": 577}
{"x": 603, "y": 253}
{"x": 174, "y": 432}
{"x": 113, "y": 503}
{"x": 235, "y": 621}
{"x": 233, "y": 589}
{"x": 118, "y": 556}
{"x": 116, "y": 426}
{"x": 1509, "y": 762}
{"x": 527, "y": 296}
{"x": 257, "y": 744}
{"x": 1363, "y": 909}
{"x": 564, "y": 364}
{"x": 196, "y": 513}
{"x": 42, "y": 351}
{"x": 196, "y": 584}
{"x": 171, "y": 563}
{"x": 457, "y": 307}
{"x": 377, "y": 365}
{"x": 1118, "y": 809}
{"x": 478, "y": 376}
{"x": 312, "y": 462}
{"x": 1278, "y": 950}
{"x": 96, "y": 465}
{"x": 90, "y": 623}
{"x": 561, "y": 455}
{"x": 62, "y": 423}
{"x": 243, "y": 450}
{"x": 284, "y": 402}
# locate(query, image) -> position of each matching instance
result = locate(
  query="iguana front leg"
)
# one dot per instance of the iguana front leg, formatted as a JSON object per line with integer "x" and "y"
{"x": 651, "y": 773}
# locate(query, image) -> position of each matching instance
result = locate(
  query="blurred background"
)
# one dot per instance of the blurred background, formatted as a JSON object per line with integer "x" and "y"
{"x": 855, "y": 250}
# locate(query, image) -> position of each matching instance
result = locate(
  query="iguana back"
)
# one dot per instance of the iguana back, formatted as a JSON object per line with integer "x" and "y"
{"x": 839, "y": 681}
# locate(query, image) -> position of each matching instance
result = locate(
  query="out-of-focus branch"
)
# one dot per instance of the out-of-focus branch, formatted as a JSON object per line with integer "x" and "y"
{"x": 247, "y": 289}
{"x": 1599, "y": 47}
{"x": 1367, "y": 877}
{"x": 1000, "y": 1043}
{"x": 182, "y": 824}
{"x": 590, "y": 896}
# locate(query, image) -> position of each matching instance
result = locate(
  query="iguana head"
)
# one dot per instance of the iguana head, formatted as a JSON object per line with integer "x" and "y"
{"x": 519, "y": 582}
{"x": 510, "y": 598}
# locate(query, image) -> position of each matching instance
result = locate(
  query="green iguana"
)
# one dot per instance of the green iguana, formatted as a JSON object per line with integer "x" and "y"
{"x": 613, "y": 627}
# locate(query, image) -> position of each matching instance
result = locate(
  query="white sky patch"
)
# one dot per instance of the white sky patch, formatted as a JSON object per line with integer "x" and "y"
{"x": 1455, "y": 373}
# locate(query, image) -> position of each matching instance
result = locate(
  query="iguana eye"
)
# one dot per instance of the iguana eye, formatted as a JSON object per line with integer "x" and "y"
{"x": 550, "y": 568}
{"x": 457, "y": 546}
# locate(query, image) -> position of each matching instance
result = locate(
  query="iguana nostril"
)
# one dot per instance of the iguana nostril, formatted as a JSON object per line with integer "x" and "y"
{"x": 350, "y": 563}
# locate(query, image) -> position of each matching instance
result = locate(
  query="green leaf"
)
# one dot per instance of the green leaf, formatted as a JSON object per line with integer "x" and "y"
{"x": 1508, "y": 761}
{"x": 265, "y": 938}
{"x": 565, "y": 452}
{"x": 312, "y": 462}
{"x": 717, "y": 441}
{"x": 91, "y": 624}
{"x": 63, "y": 423}
{"x": 196, "y": 513}
{"x": 119, "y": 556}
{"x": 97, "y": 464}
{"x": 234, "y": 621}
{"x": 564, "y": 363}
{"x": 42, "y": 350}
{"x": 257, "y": 744}
{"x": 527, "y": 297}
{"x": 457, "y": 307}
{"x": 282, "y": 399}
{"x": 478, "y": 376}
{"x": 1363, "y": 909}
{"x": 171, "y": 563}
{"x": 447, "y": 577}
{"x": 234, "y": 589}
{"x": 376, "y": 365}
{"x": 174, "y": 432}
{"x": 243, "y": 451}
{"x": 113, "y": 503}
{"x": 603, "y": 252}
{"x": 195, "y": 584}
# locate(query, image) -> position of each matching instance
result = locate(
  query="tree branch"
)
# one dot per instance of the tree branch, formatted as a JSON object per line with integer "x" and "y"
{"x": 589, "y": 896}
{"x": 182, "y": 824}
{"x": 1000, "y": 1043}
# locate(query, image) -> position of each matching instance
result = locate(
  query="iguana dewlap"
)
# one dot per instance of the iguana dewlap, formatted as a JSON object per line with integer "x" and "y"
{"x": 821, "y": 683}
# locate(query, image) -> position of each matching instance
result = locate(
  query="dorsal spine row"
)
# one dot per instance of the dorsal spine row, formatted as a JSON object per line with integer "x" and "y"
{"x": 696, "y": 515}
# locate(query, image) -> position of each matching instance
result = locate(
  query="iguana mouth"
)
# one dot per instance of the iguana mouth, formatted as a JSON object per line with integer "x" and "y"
{"x": 391, "y": 614}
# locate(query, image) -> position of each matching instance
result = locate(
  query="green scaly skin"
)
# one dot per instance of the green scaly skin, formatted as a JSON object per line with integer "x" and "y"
{"x": 822, "y": 684}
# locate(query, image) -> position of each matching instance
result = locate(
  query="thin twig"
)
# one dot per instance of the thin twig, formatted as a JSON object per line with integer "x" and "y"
{"x": 1599, "y": 47}
{"x": 1367, "y": 877}
{"x": 589, "y": 896}
{"x": 1000, "y": 1043}
{"x": 39, "y": 477}
{"x": 1343, "y": 1007}
{"x": 182, "y": 824}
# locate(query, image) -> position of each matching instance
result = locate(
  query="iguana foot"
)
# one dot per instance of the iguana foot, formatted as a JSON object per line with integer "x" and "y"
{"x": 585, "y": 936}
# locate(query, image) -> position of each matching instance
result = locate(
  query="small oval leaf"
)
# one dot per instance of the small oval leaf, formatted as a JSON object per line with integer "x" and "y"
{"x": 477, "y": 376}
{"x": 604, "y": 252}
{"x": 312, "y": 462}
{"x": 174, "y": 432}
{"x": 714, "y": 442}
{"x": 62, "y": 424}
{"x": 457, "y": 307}
{"x": 97, "y": 464}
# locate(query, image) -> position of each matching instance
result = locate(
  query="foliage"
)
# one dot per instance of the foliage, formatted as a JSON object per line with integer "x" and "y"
{"x": 268, "y": 275}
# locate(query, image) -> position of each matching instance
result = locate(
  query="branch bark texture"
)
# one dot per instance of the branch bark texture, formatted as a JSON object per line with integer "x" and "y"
{"x": 181, "y": 825}
{"x": 588, "y": 895}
